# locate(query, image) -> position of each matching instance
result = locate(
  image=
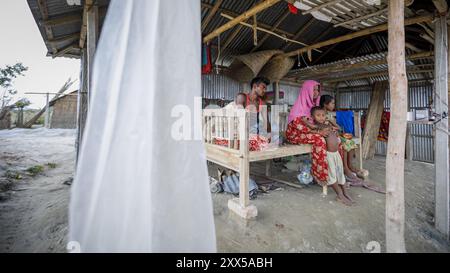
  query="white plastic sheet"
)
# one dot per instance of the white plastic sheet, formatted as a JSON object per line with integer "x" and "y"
{"x": 137, "y": 189}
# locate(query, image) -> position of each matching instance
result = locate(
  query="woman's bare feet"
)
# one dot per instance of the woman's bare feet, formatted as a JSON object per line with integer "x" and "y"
{"x": 343, "y": 200}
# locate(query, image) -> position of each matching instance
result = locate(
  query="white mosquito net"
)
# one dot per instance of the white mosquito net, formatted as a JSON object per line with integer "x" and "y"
{"x": 137, "y": 189}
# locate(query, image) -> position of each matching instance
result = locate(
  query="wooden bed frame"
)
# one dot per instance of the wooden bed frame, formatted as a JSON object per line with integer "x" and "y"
{"x": 233, "y": 126}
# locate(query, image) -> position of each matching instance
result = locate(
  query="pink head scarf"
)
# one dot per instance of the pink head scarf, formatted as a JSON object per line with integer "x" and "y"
{"x": 305, "y": 101}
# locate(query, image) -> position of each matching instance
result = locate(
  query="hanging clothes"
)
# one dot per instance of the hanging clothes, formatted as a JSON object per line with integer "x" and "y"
{"x": 137, "y": 188}
{"x": 345, "y": 119}
{"x": 383, "y": 134}
{"x": 206, "y": 59}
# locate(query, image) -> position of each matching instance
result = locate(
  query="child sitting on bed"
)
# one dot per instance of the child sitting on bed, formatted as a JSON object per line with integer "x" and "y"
{"x": 336, "y": 177}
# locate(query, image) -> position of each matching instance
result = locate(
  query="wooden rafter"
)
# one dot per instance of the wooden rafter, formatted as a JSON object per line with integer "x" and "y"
{"x": 48, "y": 30}
{"x": 275, "y": 26}
{"x": 211, "y": 14}
{"x": 350, "y": 36}
{"x": 232, "y": 36}
{"x": 87, "y": 5}
{"x": 234, "y": 14}
{"x": 65, "y": 38}
{"x": 252, "y": 26}
{"x": 300, "y": 32}
{"x": 65, "y": 50}
{"x": 346, "y": 66}
{"x": 246, "y": 15}
{"x": 441, "y": 6}
{"x": 69, "y": 18}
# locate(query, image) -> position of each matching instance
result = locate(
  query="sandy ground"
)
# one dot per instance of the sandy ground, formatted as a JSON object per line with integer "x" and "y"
{"x": 33, "y": 212}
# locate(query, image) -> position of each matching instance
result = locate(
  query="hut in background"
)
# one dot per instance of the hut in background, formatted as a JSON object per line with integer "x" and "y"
{"x": 63, "y": 112}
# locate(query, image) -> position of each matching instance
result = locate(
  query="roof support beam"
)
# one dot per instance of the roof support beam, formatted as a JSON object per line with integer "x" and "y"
{"x": 441, "y": 6}
{"x": 353, "y": 35}
{"x": 48, "y": 30}
{"x": 211, "y": 14}
{"x": 233, "y": 14}
{"x": 265, "y": 37}
{"x": 246, "y": 15}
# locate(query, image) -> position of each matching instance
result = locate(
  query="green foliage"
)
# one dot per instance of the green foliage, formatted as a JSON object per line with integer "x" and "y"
{"x": 35, "y": 170}
{"x": 51, "y": 165}
{"x": 13, "y": 175}
{"x": 9, "y": 73}
{"x": 7, "y": 76}
{"x": 22, "y": 103}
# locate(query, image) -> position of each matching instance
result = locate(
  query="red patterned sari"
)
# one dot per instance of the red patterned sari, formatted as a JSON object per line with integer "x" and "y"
{"x": 298, "y": 133}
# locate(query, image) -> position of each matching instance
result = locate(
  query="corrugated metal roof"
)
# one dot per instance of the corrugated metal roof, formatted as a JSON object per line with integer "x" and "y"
{"x": 57, "y": 9}
{"x": 242, "y": 42}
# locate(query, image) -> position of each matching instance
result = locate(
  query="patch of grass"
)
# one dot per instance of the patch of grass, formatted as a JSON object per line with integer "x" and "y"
{"x": 51, "y": 165}
{"x": 35, "y": 170}
{"x": 13, "y": 175}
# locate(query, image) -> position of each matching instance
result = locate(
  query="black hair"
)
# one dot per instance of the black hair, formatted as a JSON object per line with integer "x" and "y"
{"x": 315, "y": 109}
{"x": 259, "y": 80}
{"x": 325, "y": 99}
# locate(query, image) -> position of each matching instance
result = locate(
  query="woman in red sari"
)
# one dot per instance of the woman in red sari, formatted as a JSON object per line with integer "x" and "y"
{"x": 301, "y": 129}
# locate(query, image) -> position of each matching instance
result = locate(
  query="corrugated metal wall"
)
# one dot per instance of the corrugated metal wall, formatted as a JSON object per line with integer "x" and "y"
{"x": 219, "y": 87}
{"x": 358, "y": 98}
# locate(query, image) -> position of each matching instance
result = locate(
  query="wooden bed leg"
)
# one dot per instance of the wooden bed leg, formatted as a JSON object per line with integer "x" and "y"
{"x": 241, "y": 206}
{"x": 268, "y": 168}
{"x": 324, "y": 190}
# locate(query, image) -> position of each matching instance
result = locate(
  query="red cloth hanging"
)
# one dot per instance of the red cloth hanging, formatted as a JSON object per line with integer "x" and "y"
{"x": 293, "y": 9}
{"x": 206, "y": 59}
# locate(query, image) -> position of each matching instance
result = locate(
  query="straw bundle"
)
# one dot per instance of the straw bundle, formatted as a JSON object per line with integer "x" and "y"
{"x": 277, "y": 68}
{"x": 245, "y": 67}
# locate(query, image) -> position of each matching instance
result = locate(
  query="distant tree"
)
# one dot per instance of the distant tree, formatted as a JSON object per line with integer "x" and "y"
{"x": 7, "y": 76}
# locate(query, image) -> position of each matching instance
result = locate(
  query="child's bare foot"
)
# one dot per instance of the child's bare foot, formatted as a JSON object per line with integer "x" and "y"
{"x": 346, "y": 195}
{"x": 343, "y": 200}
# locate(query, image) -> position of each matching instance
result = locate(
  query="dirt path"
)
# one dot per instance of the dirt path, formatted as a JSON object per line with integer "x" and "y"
{"x": 33, "y": 216}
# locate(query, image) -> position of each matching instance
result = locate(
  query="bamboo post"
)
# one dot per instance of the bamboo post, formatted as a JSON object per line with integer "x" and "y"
{"x": 47, "y": 111}
{"x": 395, "y": 158}
{"x": 244, "y": 166}
{"x": 92, "y": 38}
{"x": 442, "y": 187}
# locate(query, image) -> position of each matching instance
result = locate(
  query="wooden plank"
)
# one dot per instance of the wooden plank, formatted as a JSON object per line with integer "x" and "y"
{"x": 223, "y": 156}
{"x": 279, "y": 152}
{"x": 442, "y": 210}
{"x": 361, "y": 33}
{"x": 374, "y": 115}
{"x": 395, "y": 158}
{"x": 357, "y": 138}
{"x": 256, "y": 9}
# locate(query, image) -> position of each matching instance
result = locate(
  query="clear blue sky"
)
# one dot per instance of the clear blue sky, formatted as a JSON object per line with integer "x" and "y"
{"x": 21, "y": 41}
